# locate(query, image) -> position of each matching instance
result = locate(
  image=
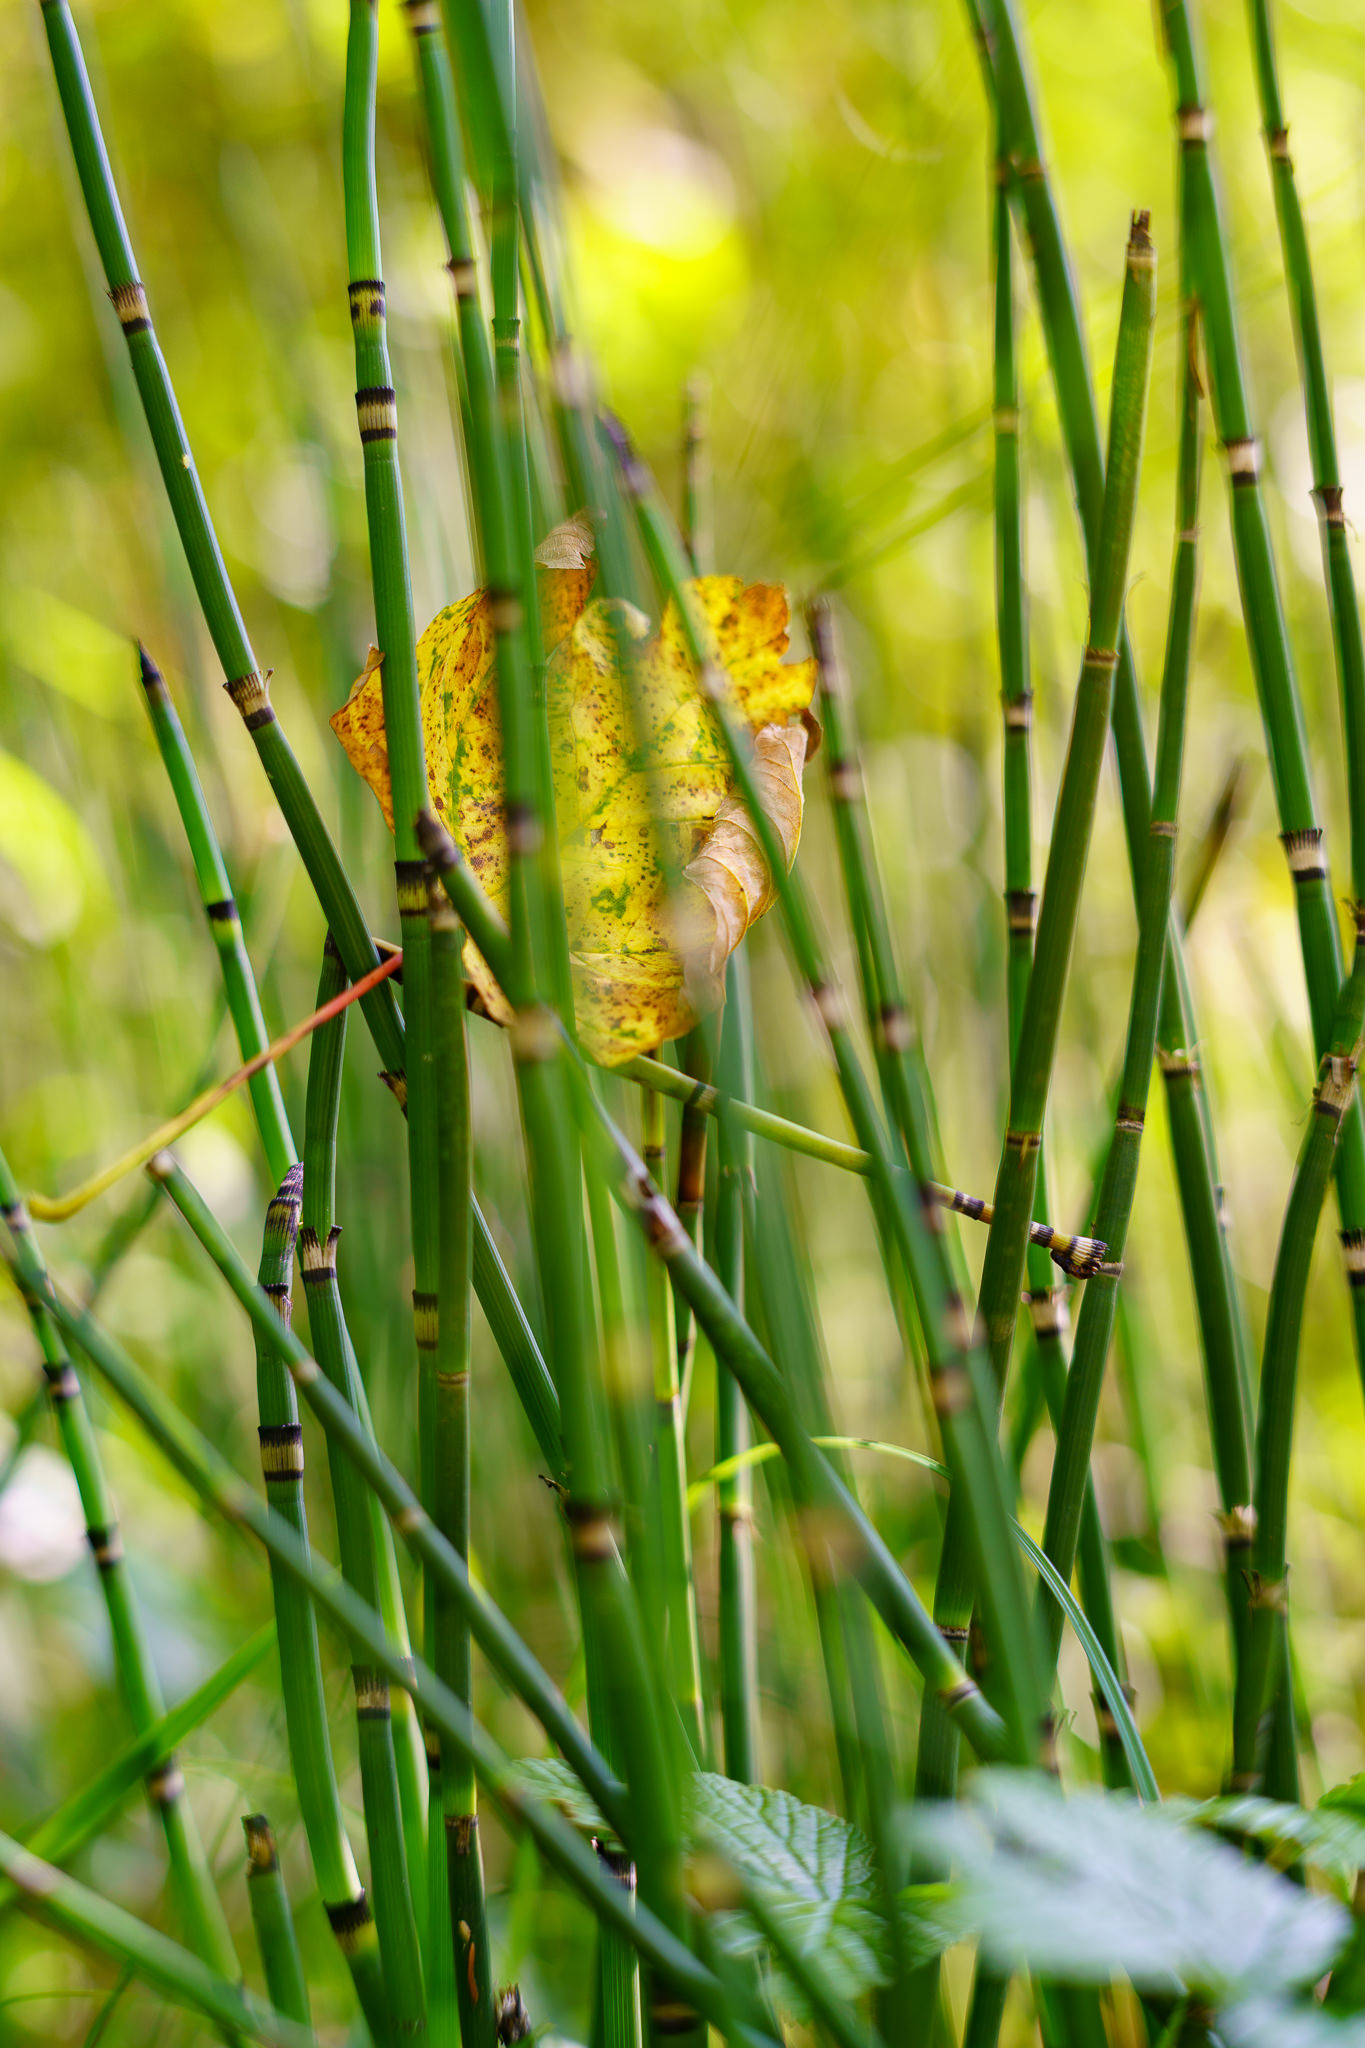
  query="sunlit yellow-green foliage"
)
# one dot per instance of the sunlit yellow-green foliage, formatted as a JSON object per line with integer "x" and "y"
{"x": 794, "y": 197}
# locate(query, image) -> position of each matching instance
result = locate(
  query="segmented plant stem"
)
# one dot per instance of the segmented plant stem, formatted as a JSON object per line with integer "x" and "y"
{"x": 59, "y": 1902}
{"x": 1268, "y": 641}
{"x": 196, "y": 1897}
{"x": 1265, "y": 1665}
{"x": 737, "y": 1634}
{"x": 450, "y": 1501}
{"x": 1075, "y": 1436}
{"x": 225, "y": 924}
{"x": 344, "y": 1898}
{"x": 955, "y": 1370}
{"x": 1221, "y": 1324}
{"x": 670, "y": 1464}
{"x": 357, "y": 1514}
{"x": 221, "y": 1489}
{"x": 731, "y": 1337}
{"x": 247, "y": 684}
{"x": 274, "y": 1922}
{"x": 1002, "y": 1272}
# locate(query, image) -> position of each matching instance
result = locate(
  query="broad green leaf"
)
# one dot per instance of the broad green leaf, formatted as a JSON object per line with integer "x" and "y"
{"x": 816, "y": 1872}
{"x": 661, "y": 865}
{"x": 818, "y": 1876}
{"x": 551, "y": 1779}
{"x": 1095, "y": 1887}
{"x": 1332, "y": 1839}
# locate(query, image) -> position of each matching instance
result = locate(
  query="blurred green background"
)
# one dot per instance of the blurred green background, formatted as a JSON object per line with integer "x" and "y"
{"x": 795, "y": 199}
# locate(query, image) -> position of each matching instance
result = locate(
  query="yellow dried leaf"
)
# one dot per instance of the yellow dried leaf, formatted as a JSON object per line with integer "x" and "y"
{"x": 642, "y": 785}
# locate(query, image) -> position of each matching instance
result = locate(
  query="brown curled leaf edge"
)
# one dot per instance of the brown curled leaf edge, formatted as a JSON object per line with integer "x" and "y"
{"x": 643, "y": 789}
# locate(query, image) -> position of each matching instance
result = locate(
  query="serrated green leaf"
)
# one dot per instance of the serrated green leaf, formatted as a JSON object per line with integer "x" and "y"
{"x": 816, "y": 1871}
{"x": 1096, "y": 1887}
{"x": 1331, "y": 1839}
{"x": 819, "y": 1880}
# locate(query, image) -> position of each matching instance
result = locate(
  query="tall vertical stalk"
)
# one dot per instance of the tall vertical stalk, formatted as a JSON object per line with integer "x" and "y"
{"x": 192, "y": 1880}
{"x": 247, "y": 684}
{"x": 734, "y": 1495}
{"x": 274, "y": 1922}
{"x": 1221, "y": 1324}
{"x": 1031, "y": 1077}
{"x": 1075, "y": 1435}
{"x": 959, "y": 1392}
{"x": 345, "y": 1900}
{"x": 1268, "y": 641}
{"x": 670, "y": 1467}
{"x": 463, "y": 1857}
{"x": 1264, "y": 1668}
{"x": 220, "y": 908}
{"x": 1343, "y": 602}
{"x": 359, "y": 1532}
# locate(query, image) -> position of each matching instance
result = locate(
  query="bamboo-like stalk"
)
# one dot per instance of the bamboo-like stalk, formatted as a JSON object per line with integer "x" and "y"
{"x": 274, "y": 1922}
{"x": 247, "y": 683}
{"x": 738, "y": 1645}
{"x": 359, "y": 1534}
{"x": 59, "y": 1902}
{"x": 959, "y": 1392}
{"x": 481, "y": 42}
{"x": 1046, "y": 1303}
{"x": 1343, "y": 603}
{"x": 463, "y": 1858}
{"x": 220, "y": 908}
{"x": 221, "y": 1489}
{"x": 1221, "y": 1324}
{"x": 1075, "y": 1436}
{"x": 1002, "y": 1272}
{"x": 670, "y": 1466}
{"x": 1266, "y": 1659}
{"x": 490, "y": 1627}
{"x": 697, "y": 1058}
{"x": 732, "y": 1338}
{"x": 344, "y": 1898}
{"x": 196, "y": 1897}
{"x": 1272, "y": 660}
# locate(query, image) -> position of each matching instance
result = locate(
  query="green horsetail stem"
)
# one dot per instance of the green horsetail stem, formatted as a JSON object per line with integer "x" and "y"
{"x": 1094, "y": 1328}
{"x": 862, "y": 1550}
{"x": 1267, "y": 637}
{"x": 358, "y": 1519}
{"x": 1343, "y": 602}
{"x": 59, "y": 1902}
{"x": 215, "y": 890}
{"x": 210, "y": 1476}
{"x": 492, "y": 1631}
{"x": 274, "y": 1922}
{"x": 956, "y": 1371}
{"x": 670, "y": 1468}
{"x": 1264, "y": 1668}
{"x": 246, "y": 683}
{"x": 461, "y": 1889}
{"x": 377, "y": 418}
{"x": 612, "y": 1635}
{"x": 344, "y": 1898}
{"x": 1046, "y": 1302}
{"x": 195, "y": 1895}
{"x": 736, "y": 1620}
{"x": 734, "y": 1341}
{"x": 1222, "y": 1327}
{"x": 1031, "y": 1077}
